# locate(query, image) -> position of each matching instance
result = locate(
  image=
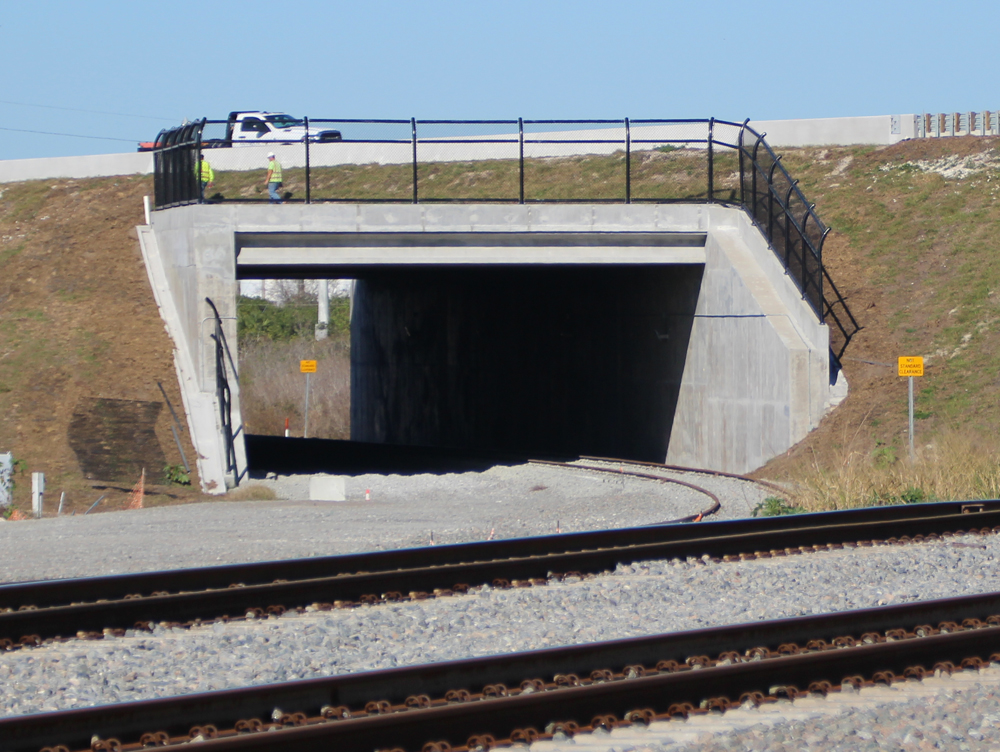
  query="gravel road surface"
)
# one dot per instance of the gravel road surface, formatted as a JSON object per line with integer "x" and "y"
{"x": 404, "y": 511}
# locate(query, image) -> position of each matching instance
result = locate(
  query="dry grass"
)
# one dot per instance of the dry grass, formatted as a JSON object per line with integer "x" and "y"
{"x": 680, "y": 174}
{"x": 252, "y": 492}
{"x": 956, "y": 466}
{"x": 272, "y": 388}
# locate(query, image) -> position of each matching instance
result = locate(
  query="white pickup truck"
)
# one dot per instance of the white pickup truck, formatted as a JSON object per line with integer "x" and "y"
{"x": 262, "y": 127}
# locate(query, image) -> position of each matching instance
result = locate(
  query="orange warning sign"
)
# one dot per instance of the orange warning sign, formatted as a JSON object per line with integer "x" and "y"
{"x": 911, "y": 366}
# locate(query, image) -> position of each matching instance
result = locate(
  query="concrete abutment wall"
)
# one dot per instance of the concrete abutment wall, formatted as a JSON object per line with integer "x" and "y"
{"x": 661, "y": 332}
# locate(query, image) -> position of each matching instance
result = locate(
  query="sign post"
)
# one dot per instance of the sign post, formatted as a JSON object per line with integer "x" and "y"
{"x": 911, "y": 366}
{"x": 307, "y": 367}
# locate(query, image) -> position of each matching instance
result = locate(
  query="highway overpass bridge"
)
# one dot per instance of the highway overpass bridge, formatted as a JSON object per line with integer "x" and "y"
{"x": 700, "y": 331}
{"x": 657, "y": 332}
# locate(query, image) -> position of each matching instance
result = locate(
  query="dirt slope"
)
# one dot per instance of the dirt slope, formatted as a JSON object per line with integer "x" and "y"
{"x": 915, "y": 249}
{"x": 80, "y": 335}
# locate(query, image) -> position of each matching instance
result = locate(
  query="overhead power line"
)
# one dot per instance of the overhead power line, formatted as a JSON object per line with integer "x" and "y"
{"x": 71, "y": 135}
{"x": 92, "y": 112}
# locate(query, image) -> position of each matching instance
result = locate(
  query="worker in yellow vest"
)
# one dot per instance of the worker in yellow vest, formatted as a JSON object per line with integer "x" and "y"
{"x": 273, "y": 178}
{"x": 207, "y": 176}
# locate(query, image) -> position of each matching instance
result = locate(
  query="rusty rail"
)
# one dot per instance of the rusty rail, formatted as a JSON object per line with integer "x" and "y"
{"x": 31, "y": 612}
{"x": 526, "y": 696}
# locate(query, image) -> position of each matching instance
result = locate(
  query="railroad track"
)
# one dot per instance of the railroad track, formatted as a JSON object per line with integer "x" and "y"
{"x": 486, "y": 702}
{"x": 33, "y": 612}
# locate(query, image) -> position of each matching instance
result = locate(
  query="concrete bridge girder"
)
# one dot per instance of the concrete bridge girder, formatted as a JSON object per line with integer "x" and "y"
{"x": 752, "y": 380}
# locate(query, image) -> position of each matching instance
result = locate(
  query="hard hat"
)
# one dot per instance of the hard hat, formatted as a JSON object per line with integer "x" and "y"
{"x": 270, "y": 155}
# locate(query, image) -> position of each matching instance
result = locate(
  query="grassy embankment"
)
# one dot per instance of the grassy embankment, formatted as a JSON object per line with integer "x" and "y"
{"x": 917, "y": 249}
{"x": 914, "y": 249}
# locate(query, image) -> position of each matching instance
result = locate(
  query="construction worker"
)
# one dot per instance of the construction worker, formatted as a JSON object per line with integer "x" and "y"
{"x": 207, "y": 176}
{"x": 273, "y": 178}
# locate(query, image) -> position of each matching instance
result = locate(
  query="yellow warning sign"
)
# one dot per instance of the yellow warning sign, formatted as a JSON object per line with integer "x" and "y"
{"x": 309, "y": 366}
{"x": 912, "y": 365}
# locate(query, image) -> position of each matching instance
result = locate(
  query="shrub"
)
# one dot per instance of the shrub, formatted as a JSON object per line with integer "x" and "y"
{"x": 774, "y": 506}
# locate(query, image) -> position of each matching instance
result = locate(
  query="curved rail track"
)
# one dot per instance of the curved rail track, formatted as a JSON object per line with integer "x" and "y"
{"x": 483, "y": 702}
{"x": 715, "y": 506}
{"x": 32, "y": 612}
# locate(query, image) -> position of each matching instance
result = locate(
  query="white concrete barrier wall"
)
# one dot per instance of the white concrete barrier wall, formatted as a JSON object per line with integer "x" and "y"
{"x": 880, "y": 129}
{"x": 94, "y": 166}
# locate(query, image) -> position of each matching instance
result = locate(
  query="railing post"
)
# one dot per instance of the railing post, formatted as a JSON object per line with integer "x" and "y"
{"x": 306, "y": 120}
{"x": 819, "y": 250}
{"x": 520, "y": 160}
{"x": 628, "y": 163}
{"x": 756, "y": 168}
{"x": 740, "y": 148}
{"x": 711, "y": 176}
{"x": 770, "y": 203}
{"x": 197, "y": 172}
{"x": 413, "y": 128}
{"x": 788, "y": 232}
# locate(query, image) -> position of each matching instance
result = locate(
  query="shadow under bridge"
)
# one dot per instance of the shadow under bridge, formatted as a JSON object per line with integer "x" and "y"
{"x": 525, "y": 342}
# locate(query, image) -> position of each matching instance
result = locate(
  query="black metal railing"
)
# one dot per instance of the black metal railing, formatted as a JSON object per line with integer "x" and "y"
{"x": 224, "y": 394}
{"x": 175, "y": 165}
{"x": 518, "y": 161}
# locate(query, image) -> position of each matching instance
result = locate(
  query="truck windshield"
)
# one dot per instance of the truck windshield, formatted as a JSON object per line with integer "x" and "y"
{"x": 284, "y": 121}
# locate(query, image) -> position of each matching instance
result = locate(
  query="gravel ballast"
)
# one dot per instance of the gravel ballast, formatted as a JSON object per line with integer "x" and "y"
{"x": 640, "y": 599}
{"x": 644, "y": 599}
{"x": 957, "y": 712}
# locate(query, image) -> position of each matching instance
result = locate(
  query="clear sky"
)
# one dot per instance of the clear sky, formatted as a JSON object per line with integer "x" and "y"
{"x": 141, "y": 66}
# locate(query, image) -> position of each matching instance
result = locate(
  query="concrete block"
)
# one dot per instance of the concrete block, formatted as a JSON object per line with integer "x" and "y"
{"x": 500, "y": 218}
{"x": 389, "y": 217}
{"x": 561, "y": 217}
{"x": 624, "y": 218}
{"x": 680, "y": 217}
{"x": 329, "y": 218}
{"x": 444, "y": 218}
{"x": 327, "y": 488}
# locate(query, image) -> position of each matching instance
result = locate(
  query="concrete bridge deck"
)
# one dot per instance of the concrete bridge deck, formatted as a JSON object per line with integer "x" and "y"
{"x": 666, "y": 332}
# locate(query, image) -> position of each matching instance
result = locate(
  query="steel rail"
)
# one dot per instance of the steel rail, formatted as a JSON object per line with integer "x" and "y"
{"x": 374, "y": 710}
{"x": 714, "y": 507}
{"x": 526, "y": 560}
{"x": 65, "y": 591}
{"x": 696, "y": 470}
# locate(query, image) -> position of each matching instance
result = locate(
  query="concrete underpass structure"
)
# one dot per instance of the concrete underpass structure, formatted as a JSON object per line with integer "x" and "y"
{"x": 661, "y": 332}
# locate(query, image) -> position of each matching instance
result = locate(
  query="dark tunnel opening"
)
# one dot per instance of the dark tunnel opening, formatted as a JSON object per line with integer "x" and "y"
{"x": 529, "y": 360}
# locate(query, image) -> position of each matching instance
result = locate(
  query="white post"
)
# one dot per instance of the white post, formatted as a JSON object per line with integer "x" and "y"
{"x": 323, "y": 299}
{"x": 6, "y": 479}
{"x": 37, "y": 493}
{"x": 911, "y": 418}
{"x": 305, "y": 432}
{"x": 145, "y": 208}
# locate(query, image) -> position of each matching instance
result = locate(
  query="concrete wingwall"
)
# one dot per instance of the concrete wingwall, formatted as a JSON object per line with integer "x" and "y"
{"x": 704, "y": 356}
{"x": 757, "y": 375}
{"x": 189, "y": 259}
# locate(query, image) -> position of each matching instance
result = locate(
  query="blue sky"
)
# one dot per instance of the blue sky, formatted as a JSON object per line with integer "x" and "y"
{"x": 142, "y": 66}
